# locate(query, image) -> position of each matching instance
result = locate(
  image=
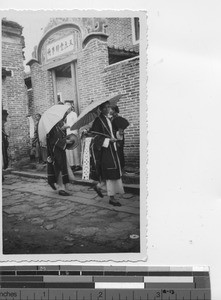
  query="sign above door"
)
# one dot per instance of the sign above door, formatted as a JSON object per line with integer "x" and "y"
{"x": 62, "y": 46}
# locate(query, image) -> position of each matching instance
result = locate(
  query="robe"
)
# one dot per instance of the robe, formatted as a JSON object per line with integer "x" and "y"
{"x": 73, "y": 156}
{"x": 105, "y": 163}
{"x": 5, "y": 145}
{"x": 56, "y": 162}
{"x": 119, "y": 144}
{"x": 36, "y": 143}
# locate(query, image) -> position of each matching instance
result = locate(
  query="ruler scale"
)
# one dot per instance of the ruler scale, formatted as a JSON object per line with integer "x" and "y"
{"x": 104, "y": 283}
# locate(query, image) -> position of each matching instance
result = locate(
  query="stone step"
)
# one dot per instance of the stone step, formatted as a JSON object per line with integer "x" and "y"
{"x": 129, "y": 177}
{"x": 129, "y": 187}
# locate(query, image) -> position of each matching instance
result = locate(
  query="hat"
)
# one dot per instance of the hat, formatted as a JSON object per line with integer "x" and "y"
{"x": 116, "y": 109}
{"x": 74, "y": 139}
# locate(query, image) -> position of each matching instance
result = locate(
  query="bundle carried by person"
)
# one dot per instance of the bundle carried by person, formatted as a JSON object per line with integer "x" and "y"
{"x": 73, "y": 141}
{"x": 120, "y": 123}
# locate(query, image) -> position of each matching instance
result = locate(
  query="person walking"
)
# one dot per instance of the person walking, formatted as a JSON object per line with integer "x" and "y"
{"x": 105, "y": 164}
{"x": 56, "y": 161}
{"x": 73, "y": 157}
{"x": 35, "y": 141}
{"x": 5, "y": 143}
{"x": 119, "y": 124}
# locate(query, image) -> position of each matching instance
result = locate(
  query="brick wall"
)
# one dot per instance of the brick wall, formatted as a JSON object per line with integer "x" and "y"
{"x": 42, "y": 88}
{"x": 120, "y": 33}
{"x": 90, "y": 67}
{"x": 14, "y": 95}
{"x": 31, "y": 109}
{"x": 123, "y": 78}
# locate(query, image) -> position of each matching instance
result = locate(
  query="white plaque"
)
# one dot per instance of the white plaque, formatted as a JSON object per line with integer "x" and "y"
{"x": 60, "y": 47}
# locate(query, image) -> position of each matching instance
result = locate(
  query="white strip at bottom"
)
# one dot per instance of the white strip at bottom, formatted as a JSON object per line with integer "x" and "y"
{"x": 174, "y": 279}
{"x": 119, "y": 285}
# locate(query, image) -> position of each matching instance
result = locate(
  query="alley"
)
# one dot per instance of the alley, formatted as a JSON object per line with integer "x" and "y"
{"x": 37, "y": 220}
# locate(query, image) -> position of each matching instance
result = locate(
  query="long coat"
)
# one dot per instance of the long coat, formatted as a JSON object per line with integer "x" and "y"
{"x": 36, "y": 143}
{"x": 5, "y": 145}
{"x": 104, "y": 161}
{"x": 56, "y": 145}
{"x": 119, "y": 144}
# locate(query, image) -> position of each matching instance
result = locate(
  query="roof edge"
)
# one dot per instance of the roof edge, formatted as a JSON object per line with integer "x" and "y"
{"x": 31, "y": 61}
{"x": 12, "y": 24}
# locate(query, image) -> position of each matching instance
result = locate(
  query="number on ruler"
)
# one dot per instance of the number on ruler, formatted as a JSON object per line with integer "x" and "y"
{"x": 158, "y": 294}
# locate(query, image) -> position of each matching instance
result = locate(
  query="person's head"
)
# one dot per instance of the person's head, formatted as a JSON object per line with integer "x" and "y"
{"x": 105, "y": 108}
{"x": 37, "y": 117}
{"x": 114, "y": 110}
{"x": 70, "y": 103}
{"x": 4, "y": 115}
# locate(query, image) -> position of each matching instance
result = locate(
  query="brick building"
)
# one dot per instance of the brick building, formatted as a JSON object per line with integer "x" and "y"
{"x": 14, "y": 92}
{"x": 85, "y": 59}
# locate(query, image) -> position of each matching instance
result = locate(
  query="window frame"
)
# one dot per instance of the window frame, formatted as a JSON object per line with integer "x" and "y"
{"x": 135, "y": 41}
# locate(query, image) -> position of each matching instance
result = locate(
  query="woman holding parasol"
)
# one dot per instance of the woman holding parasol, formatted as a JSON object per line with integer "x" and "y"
{"x": 52, "y": 131}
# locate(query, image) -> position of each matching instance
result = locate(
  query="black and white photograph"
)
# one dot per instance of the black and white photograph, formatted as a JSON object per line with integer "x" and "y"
{"x": 74, "y": 134}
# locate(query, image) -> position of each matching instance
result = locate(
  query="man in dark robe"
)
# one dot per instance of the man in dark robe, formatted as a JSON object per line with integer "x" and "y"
{"x": 105, "y": 165}
{"x": 119, "y": 134}
{"x": 36, "y": 142}
{"x": 5, "y": 142}
{"x": 56, "y": 163}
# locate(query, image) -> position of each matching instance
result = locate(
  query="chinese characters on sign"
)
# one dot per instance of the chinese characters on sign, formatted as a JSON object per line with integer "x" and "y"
{"x": 64, "y": 45}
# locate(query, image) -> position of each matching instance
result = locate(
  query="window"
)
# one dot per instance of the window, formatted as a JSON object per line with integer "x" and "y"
{"x": 28, "y": 83}
{"x": 135, "y": 30}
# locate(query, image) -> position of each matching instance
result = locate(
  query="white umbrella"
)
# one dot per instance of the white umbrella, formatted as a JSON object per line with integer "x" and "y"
{"x": 91, "y": 112}
{"x": 49, "y": 119}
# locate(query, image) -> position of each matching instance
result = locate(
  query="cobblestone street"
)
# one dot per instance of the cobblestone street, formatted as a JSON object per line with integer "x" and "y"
{"x": 37, "y": 220}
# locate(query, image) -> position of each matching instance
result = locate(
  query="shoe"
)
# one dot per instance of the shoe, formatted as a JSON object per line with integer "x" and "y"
{"x": 63, "y": 193}
{"x": 52, "y": 186}
{"x": 74, "y": 168}
{"x": 98, "y": 191}
{"x": 78, "y": 168}
{"x": 114, "y": 203}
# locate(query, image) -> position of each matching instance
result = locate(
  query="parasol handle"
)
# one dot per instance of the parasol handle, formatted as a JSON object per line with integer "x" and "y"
{"x": 106, "y": 135}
